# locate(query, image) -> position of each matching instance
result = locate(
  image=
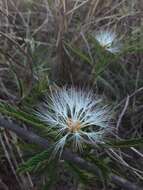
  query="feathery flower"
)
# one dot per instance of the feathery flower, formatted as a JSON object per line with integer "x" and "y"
{"x": 76, "y": 116}
{"x": 109, "y": 41}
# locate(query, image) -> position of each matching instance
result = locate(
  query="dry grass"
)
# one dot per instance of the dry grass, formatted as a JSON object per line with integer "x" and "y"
{"x": 33, "y": 34}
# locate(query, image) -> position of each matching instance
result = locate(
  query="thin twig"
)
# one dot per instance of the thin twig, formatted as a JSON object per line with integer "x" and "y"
{"x": 20, "y": 49}
{"x": 9, "y": 161}
{"x": 130, "y": 96}
{"x": 124, "y": 183}
{"x": 123, "y": 112}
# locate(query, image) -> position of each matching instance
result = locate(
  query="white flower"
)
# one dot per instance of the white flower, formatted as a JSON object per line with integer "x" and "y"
{"x": 109, "y": 41}
{"x": 77, "y": 117}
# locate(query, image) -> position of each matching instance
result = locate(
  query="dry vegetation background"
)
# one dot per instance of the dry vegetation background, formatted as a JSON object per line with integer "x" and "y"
{"x": 44, "y": 43}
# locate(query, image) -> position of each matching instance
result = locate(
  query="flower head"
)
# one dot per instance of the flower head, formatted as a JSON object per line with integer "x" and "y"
{"x": 76, "y": 116}
{"x": 108, "y": 40}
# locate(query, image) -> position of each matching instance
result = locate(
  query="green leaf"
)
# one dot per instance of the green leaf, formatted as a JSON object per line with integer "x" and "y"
{"x": 102, "y": 164}
{"x": 15, "y": 112}
{"x": 42, "y": 165}
{"x": 34, "y": 162}
{"x": 81, "y": 176}
{"x": 82, "y": 55}
{"x": 124, "y": 143}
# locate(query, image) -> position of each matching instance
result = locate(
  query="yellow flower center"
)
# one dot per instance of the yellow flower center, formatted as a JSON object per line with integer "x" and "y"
{"x": 73, "y": 126}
